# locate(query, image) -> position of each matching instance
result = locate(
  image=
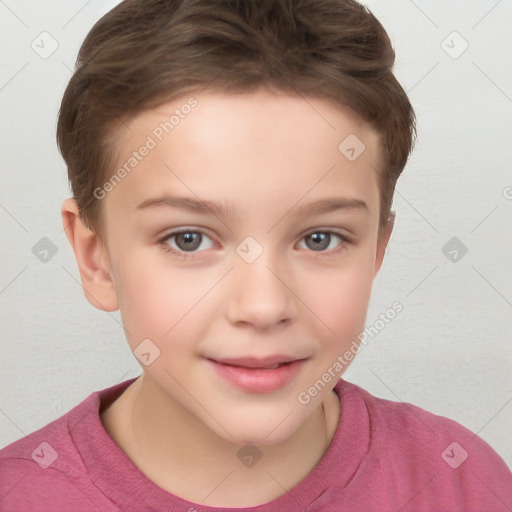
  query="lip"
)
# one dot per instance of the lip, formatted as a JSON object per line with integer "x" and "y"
{"x": 253, "y": 375}
{"x": 257, "y": 362}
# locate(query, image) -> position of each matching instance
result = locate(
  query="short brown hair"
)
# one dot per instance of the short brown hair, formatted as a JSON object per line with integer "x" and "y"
{"x": 145, "y": 52}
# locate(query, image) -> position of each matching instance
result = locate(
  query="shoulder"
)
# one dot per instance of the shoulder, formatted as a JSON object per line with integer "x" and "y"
{"x": 420, "y": 450}
{"x": 46, "y": 448}
{"x": 402, "y": 422}
{"x": 46, "y": 467}
{"x": 38, "y": 466}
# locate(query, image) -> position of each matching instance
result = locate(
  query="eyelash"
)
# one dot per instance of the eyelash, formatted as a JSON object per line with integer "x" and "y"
{"x": 187, "y": 255}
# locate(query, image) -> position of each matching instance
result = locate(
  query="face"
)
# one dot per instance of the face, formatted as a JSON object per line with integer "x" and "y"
{"x": 243, "y": 238}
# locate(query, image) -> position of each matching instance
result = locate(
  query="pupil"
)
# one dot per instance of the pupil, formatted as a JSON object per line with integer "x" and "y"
{"x": 190, "y": 240}
{"x": 320, "y": 240}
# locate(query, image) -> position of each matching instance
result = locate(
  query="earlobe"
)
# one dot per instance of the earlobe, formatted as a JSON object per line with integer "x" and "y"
{"x": 92, "y": 259}
{"x": 382, "y": 243}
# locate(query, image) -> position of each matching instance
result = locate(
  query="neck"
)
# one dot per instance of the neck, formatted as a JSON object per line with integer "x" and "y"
{"x": 168, "y": 445}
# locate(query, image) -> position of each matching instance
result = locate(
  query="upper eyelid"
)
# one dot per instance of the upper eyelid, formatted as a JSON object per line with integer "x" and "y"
{"x": 326, "y": 230}
{"x": 344, "y": 237}
{"x": 178, "y": 231}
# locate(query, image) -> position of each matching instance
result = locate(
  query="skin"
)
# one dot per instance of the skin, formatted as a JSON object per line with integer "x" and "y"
{"x": 267, "y": 154}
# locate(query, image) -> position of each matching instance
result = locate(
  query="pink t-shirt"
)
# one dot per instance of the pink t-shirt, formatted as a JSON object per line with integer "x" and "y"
{"x": 385, "y": 456}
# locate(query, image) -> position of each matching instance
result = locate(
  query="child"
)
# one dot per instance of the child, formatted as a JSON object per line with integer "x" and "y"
{"x": 233, "y": 165}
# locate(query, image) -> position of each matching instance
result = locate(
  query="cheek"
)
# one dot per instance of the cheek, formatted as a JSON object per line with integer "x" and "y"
{"x": 153, "y": 301}
{"x": 341, "y": 301}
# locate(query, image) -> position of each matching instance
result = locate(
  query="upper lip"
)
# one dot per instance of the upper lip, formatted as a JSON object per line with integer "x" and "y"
{"x": 257, "y": 362}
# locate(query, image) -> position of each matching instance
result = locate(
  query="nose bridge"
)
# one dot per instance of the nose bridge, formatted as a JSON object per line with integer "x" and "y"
{"x": 259, "y": 295}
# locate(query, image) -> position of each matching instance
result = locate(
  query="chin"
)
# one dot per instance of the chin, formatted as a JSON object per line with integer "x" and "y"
{"x": 256, "y": 432}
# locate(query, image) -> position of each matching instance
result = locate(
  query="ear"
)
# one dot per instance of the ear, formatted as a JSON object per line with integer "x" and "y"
{"x": 382, "y": 242}
{"x": 92, "y": 258}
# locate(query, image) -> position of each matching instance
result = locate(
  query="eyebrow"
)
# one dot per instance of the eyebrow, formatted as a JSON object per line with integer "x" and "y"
{"x": 189, "y": 204}
{"x": 225, "y": 210}
{"x": 332, "y": 205}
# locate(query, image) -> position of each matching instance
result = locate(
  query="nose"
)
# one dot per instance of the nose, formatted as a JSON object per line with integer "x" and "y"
{"x": 260, "y": 294}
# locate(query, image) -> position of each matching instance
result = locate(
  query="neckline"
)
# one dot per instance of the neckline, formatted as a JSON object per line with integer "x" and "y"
{"x": 118, "y": 478}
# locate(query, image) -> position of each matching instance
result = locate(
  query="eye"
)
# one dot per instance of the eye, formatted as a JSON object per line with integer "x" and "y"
{"x": 324, "y": 241}
{"x": 186, "y": 241}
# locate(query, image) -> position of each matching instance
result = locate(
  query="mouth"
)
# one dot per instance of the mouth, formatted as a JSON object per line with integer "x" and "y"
{"x": 266, "y": 363}
{"x": 258, "y": 375}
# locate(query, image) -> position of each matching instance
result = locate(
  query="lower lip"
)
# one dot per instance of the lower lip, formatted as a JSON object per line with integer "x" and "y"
{"x": 258, "y": 380}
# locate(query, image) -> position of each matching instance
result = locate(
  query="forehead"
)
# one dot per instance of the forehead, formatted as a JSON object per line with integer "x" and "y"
{"x": 244, "y": 149}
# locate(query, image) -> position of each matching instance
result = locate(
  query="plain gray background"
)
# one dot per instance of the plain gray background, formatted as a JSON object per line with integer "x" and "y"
{"x": 448, "y": 351}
